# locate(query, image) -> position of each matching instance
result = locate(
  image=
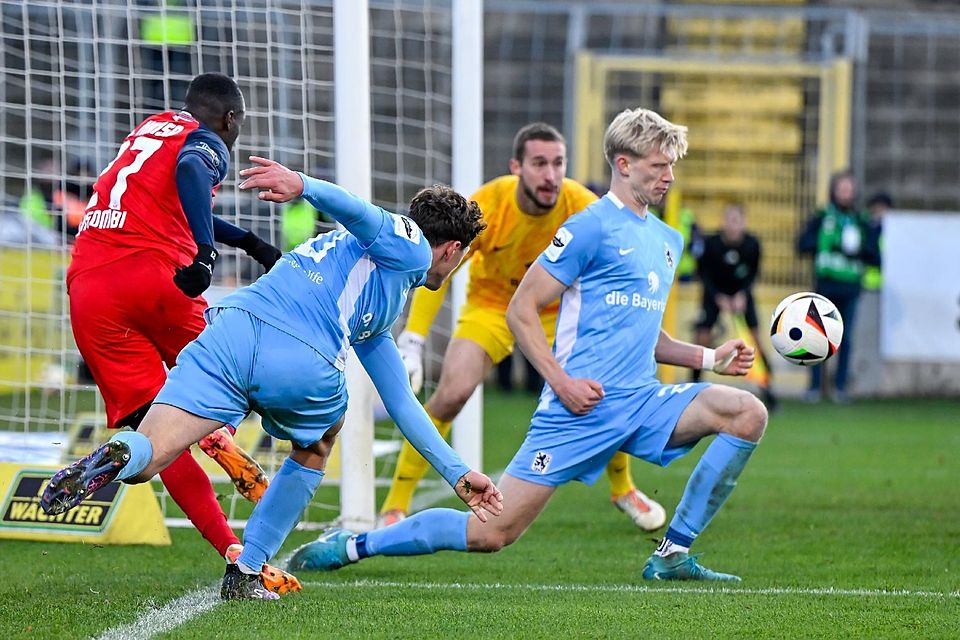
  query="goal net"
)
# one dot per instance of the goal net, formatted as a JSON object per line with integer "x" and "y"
{"x": 78, "y": 77}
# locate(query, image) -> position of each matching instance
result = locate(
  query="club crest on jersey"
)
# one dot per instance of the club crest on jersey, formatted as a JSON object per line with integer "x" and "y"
{"x": 405, "y": 228}
{"x": 668, "y": 254}
{"x": 541, "y": 462}
{"x": 558, "y": 244}
{"x": 653, "y": 282}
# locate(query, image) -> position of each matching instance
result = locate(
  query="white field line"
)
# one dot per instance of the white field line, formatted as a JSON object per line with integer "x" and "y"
{"x": 631, "y": 588}
{"x": 170, "y": 616}
{"x": 181, "y": 610}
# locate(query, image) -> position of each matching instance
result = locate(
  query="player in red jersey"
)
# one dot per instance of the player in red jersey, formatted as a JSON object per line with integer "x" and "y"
{"x": 144, "y": 255}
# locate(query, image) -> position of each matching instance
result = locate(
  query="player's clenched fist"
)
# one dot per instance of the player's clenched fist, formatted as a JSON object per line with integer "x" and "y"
{"x": 579, "y": 395}
{"x": 480, "y": 494}
{"x": 275, "y": 182}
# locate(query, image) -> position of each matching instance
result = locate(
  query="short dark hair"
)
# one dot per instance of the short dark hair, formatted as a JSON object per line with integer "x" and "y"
{"x": 213, "y": 94}
{"x": 443, "y": 214}
{"x": 534, "y": 131}
{"x": 880, "y": 197}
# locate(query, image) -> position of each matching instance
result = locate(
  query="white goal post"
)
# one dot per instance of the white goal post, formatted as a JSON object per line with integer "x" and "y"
{"x": 360, "y": 92}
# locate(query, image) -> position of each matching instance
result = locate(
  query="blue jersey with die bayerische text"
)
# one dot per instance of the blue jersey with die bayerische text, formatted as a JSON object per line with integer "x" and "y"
{"x": 338, "y": 289}
{"x": 618, "y": 268}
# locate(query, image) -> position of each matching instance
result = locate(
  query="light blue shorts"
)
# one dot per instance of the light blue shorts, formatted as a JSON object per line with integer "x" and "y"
{"x": 561, "y": 446}
{"x": 240, "y": 363}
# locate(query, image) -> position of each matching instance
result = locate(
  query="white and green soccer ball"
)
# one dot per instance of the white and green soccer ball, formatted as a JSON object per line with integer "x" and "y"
{"x": 806, "y": 328}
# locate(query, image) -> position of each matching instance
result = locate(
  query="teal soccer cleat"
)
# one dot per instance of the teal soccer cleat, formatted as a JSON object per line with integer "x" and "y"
{"x": 326, "y": 553}
{"x": 680, "y": 566}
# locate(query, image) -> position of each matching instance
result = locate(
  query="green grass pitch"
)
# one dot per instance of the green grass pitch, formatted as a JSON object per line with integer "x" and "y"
{"x": 846, "y": 524}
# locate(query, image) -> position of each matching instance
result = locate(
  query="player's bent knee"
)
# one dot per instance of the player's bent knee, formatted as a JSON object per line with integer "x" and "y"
{"x": 492, "y": 539}
{"x": 751, "y": 420}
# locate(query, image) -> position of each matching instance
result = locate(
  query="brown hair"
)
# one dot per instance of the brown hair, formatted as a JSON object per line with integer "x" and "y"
{"x": 534, "y": 131}
{"x": 443, "y": 214}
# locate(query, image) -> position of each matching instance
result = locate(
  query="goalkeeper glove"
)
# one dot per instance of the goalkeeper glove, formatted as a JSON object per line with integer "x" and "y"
{"x": 195, "y": 278}
{"x": 263, "y": 252}
{"x": 411, "y": 352}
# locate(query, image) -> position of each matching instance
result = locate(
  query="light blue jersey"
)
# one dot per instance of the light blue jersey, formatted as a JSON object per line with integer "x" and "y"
{"x": 619, "y": 268}
{"x": 334, "y": 290}
{"x": 279, "y": 346}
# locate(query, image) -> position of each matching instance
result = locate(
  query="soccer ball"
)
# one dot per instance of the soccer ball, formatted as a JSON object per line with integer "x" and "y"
{"x": 806, "y": 328}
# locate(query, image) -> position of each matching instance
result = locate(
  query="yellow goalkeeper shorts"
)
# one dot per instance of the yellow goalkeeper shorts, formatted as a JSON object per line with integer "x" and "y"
{"x": 487, "y": 326}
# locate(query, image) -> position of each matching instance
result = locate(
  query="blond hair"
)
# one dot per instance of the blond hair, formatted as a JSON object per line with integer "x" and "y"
{"x": 639, "y": 132}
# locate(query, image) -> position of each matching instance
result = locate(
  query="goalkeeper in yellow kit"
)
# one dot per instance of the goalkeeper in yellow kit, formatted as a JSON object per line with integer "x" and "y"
{"x": 523, "y": 212}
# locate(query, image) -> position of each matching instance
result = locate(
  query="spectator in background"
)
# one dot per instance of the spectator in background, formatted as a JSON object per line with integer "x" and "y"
{"x": 167, "y": 32}
{"x": 71, "y": 200}
{"x": 300, "y": 221}
{"x": 878, "y": 205}
{"x": 839, "y": 239}
{"x": 37, "y": 201}
{"x": 728, "y": 266}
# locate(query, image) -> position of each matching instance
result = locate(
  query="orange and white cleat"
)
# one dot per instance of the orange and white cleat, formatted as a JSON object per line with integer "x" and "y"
{"x": 645, "y": 513}
{"x": 393, "y": 516}
{"x": 272, "y": 578}
{"x": 244, "y": 472}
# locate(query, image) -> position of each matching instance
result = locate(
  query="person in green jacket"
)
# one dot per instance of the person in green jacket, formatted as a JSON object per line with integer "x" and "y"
{"x": 839, "y": 239}
{"x": 878, "y": 205}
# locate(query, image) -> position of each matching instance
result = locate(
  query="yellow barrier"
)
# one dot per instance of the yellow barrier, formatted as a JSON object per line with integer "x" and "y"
{"x": 115, "y": 514}
{"x": 30, "y": 329}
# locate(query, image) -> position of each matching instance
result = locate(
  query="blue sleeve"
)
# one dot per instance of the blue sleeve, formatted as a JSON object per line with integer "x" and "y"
{"x": 227, "y": 233}
{"x": 572, "y": 248}
{"x": 381, "y": 359}
{"x": 391, "y": 240}
{"x": 359, "y": 217}
{"x": 201, "y": 165}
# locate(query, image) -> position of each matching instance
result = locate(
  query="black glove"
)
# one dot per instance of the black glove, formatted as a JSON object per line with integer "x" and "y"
{"x": 195, "y": 278}
{"x": 263, "y": 252}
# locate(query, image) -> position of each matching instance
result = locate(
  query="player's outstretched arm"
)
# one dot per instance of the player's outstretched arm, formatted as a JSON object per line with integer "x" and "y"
{"x": 538, "y": 289}
{"x": 277, "y": 183}
{"x": 732, "y": 358}
{"x": 381, "y": 359}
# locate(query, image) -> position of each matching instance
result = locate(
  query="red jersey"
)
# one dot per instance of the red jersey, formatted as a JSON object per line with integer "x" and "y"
{"x": 135, "y": 204}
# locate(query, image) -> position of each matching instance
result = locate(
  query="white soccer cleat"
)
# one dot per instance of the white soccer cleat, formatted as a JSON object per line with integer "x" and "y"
{"x": 645, "y": 513}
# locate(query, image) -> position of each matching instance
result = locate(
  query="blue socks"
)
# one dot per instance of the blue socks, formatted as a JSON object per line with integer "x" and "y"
{"x": 424, "y": 532}
{"x": 278, "y": 512}
{"x": 709, "y": 486}
{"x": 141, "y": 452}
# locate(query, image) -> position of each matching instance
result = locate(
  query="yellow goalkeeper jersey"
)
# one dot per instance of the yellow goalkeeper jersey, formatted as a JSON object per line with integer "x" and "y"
{"x": 505, "y": 250}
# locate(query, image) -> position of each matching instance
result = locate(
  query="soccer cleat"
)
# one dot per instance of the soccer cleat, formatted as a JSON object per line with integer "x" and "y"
{"x": 681, "y": 566}
{"x": 326, "y": 553}
{"x": 244, "y": 472}
{"x": 69, "y": 486}
{"x": 645, "y": 513}
{"x": 238, "y": 585}
{"x": 393, "y": 516}
{"x": 274, "y": 579}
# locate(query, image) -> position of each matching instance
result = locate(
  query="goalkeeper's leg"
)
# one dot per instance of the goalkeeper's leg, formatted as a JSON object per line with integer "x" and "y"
{"x": 647, "y": 514}
{"x": 464, "y": 366}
